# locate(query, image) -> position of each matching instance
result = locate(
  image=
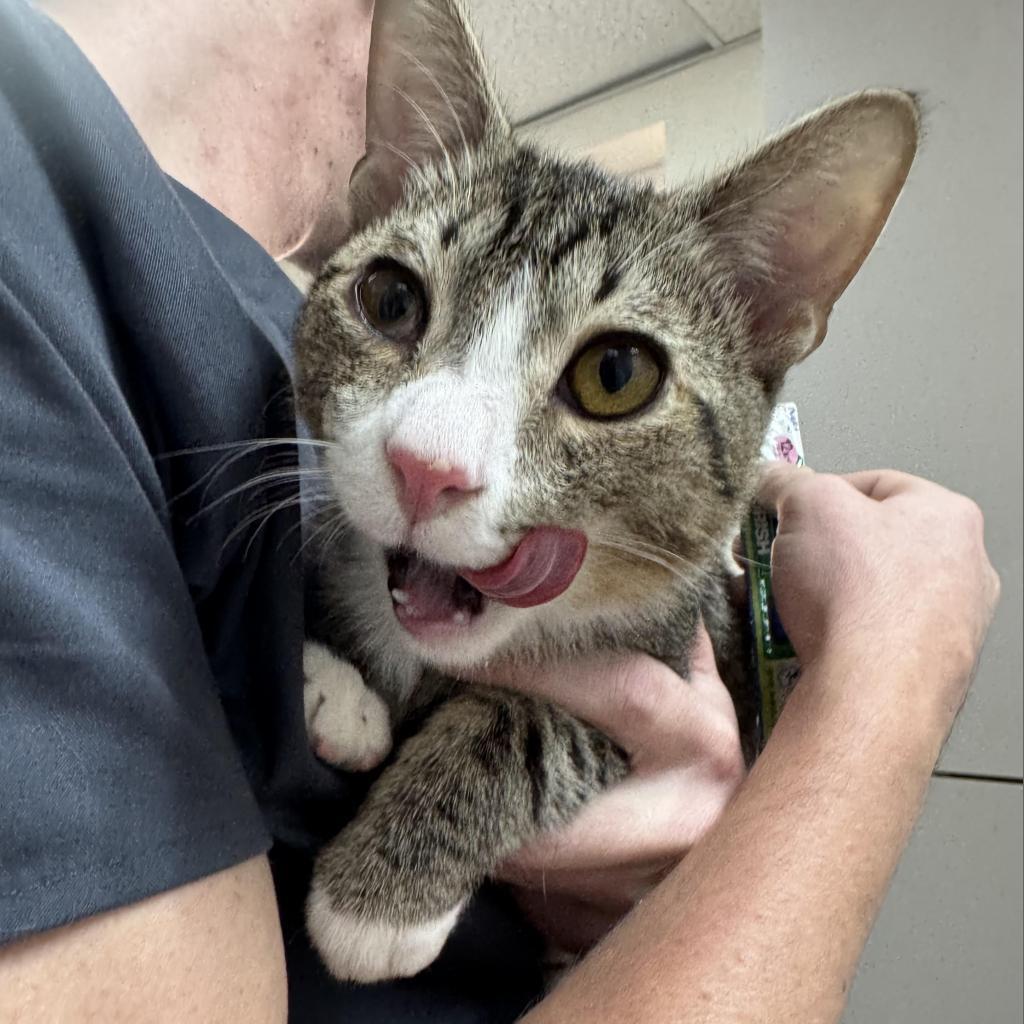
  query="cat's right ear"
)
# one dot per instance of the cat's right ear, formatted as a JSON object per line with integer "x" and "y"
{"x": 428, "y": 98}
{"x": 792, "y": 223}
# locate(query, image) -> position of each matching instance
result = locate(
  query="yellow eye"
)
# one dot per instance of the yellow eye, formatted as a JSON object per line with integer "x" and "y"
{"x": 615, "y": 375}
{"x": 392, "y": 302}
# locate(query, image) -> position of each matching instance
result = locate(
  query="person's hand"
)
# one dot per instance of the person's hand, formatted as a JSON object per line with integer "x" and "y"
{"x": 886, "y": 566}
{"x": 684, "y": 748}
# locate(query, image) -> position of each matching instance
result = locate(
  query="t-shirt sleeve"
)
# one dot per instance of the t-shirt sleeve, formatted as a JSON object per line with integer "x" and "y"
{"x": 118, "y": 774}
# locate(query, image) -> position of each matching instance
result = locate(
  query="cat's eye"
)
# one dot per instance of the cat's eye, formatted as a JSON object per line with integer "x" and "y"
{"x": 615, "y": 375}
{"x": 392, "y": 301}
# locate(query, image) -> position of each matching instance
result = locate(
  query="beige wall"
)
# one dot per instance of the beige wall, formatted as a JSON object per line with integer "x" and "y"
{"x": 711, "y": 110}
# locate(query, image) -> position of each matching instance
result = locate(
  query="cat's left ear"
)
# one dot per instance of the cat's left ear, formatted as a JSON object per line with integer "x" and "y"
{"x": 429, "y": 97}
{"x": 793, "y": 223}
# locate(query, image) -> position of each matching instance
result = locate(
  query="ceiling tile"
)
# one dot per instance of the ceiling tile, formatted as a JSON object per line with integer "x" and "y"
{"x": 546, "y": 53}
{"x": 730, "y": 19}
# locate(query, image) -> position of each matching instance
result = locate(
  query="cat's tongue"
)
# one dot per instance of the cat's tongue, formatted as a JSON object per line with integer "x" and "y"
{"x": 542, "y": 566}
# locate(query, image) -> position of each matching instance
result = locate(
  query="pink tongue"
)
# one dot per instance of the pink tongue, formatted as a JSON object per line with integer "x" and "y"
{"x": 542, "y": 566}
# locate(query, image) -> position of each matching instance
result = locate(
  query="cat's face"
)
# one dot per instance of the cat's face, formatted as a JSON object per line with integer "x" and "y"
{"x": 516, "y": 329}
{"x": 546, "y": 388}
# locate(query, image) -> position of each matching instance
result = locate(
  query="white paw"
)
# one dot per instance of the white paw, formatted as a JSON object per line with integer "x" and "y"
{"x": 347, "y": 723}
{"x": 356, "y": 949}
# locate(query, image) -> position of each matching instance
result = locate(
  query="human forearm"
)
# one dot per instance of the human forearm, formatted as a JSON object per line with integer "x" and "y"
{"x": 886, "y": 591}
{"x": 208, "y": 951}
{"x": 765, "y": 920}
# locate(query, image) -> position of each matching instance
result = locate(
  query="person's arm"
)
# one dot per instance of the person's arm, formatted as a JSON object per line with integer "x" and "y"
{"x": 885, "y": 588}
{"x": 208, "y": 951}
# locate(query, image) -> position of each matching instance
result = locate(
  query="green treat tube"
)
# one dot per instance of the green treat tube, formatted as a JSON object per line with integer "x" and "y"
{"x": 774, "y": 663}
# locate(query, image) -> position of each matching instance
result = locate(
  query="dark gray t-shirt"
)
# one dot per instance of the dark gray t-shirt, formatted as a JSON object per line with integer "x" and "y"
{"x": 151, "y": 725}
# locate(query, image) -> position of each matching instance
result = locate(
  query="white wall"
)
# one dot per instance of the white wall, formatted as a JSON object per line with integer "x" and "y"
{"x": 922, "y": 370}
{"x": 922, "y": 366}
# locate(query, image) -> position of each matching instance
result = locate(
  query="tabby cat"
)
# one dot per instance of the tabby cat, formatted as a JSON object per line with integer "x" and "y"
{"x": 541, "y": 391}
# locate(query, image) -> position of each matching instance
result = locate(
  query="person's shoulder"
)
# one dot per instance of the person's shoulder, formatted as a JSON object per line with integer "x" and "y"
{"x": 45, "y": 80}
{"x": 93, "y": 233}
{"x": 68, "y": 146}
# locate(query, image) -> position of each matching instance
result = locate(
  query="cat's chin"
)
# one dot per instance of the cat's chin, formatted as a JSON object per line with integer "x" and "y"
{"x": 461, "y": 648}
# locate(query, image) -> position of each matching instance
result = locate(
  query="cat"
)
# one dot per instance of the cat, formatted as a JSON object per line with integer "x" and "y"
{"x": 541, "y": 393}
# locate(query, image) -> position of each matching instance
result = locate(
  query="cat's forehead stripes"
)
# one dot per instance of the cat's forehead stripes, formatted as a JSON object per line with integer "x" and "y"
{"x": 609, "y": 283}
{"x": 449, "y": 234}
{"x": 565, "y": 245}
{"x": 521, "y": 205}
{"x": 508, "y": 237}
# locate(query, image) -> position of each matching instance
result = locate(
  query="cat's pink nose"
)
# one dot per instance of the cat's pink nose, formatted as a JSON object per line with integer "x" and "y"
{"x": 428, "y": 487}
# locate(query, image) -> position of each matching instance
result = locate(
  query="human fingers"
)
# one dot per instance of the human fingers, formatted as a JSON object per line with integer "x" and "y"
{"x": 637, "y": 701}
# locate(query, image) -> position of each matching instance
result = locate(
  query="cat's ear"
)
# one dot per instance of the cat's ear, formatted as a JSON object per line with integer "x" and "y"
{"x": 428, "y": 98}
{"x": 795, "y": 220}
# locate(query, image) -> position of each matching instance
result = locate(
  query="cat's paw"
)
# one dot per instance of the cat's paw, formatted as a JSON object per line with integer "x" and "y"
{"x": 364, "y": 950}
{"x": 347, "y": 723}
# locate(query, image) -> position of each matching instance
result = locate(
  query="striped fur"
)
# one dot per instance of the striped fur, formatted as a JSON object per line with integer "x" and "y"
{"x": 525, "y": 256}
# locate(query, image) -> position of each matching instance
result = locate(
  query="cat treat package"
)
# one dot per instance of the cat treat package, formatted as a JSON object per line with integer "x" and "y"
{"x": 775, "y": 665}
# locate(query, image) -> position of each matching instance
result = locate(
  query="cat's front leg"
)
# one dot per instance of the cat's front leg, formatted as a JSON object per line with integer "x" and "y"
{"x": 347, "y": 723}
{"x": 488, "y": 771}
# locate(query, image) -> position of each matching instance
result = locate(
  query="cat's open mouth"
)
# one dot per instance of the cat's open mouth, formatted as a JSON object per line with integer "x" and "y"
{"x": 429, "y": 598}
{"x": 426, "y": 596}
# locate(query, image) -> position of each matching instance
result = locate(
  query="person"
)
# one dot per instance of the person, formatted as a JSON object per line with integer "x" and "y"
{"x": 152, "y": 170}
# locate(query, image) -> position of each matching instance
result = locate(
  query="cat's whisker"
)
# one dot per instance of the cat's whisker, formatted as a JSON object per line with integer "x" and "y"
{"x": 740, "y": 558}
{"x": 276, "y": 396}
{"x": 663, "y": 552}
{"x": 261, "y": 516}
{"x": 326, "y": 502}
{"x": 314, "y": 532}
{"x": 265, "y": 514}
{"x": 331, "y": 522}
{"x": 251, "y": 445}
{"x": 288, "y": 533}
{"x": 273, "y": 461}
{"x": 290, "y": 502}
{"x": 278, "y": 476}
{"x": 743, "y": 560}
{"x": 219, "y": 467}
{"x": 340, "y": 527}
{"x": 687, "y": 566}
{"x": 646, "y": 556}
{"x": 235, "y": 450}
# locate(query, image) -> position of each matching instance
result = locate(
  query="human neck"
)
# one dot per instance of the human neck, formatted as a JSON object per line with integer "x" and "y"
{"x": 256, "y": 106}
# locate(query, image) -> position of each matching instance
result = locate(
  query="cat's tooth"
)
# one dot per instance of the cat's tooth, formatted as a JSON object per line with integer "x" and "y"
{"x": 441, "y": 466}
{"x": 460, "y": 618}
{"x": 399, "y": 596}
